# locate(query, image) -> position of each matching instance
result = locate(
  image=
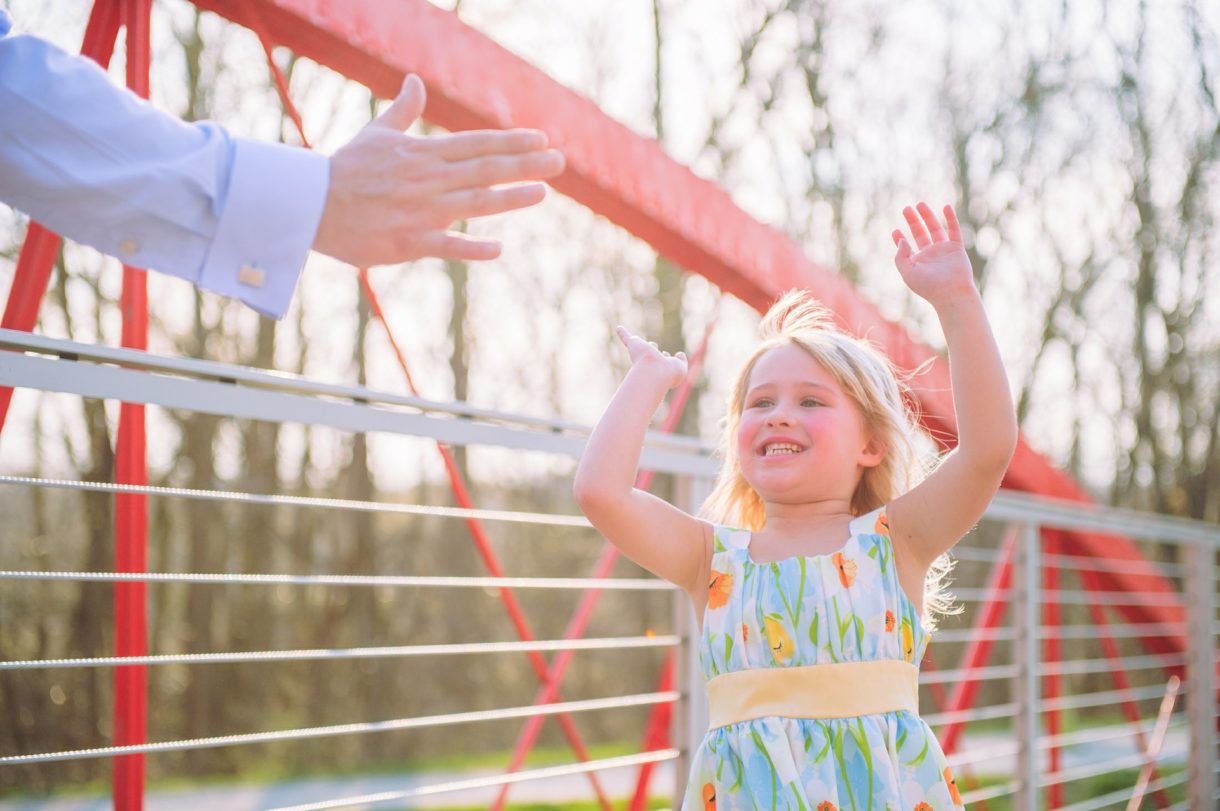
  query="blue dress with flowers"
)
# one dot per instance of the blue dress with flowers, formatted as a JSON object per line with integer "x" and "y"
{"x": 844, "y": 607}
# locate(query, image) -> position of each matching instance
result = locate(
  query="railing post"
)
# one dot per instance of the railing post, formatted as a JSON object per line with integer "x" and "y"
{"x": 1201, "y": 671}
{"x": 690, "y": 713}
{"x": 1027, "y": 611}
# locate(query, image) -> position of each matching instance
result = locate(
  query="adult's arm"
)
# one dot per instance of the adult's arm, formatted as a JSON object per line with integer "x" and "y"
{"x": 96, "y": 163}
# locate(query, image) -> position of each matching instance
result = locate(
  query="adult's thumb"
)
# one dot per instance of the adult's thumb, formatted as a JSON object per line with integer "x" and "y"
{"x": 409, "y": 105}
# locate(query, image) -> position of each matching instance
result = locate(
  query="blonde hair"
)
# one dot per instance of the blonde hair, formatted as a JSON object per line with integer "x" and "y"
{"x": 869, "y": 379}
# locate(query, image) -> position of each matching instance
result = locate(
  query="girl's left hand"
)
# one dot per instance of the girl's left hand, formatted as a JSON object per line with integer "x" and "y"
{"x": 939, "y": 271}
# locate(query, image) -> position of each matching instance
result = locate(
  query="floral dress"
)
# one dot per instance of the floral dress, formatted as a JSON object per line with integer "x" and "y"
{"x": 843, "y": 607}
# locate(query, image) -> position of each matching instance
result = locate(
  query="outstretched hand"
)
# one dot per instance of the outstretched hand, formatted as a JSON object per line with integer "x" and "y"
{"x": 393, "y": 196}
{"x": 939, "y": 270}
{"x": 672, "y": 367}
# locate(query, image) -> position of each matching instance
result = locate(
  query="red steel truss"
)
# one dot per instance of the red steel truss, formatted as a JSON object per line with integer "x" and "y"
{"x": 475, "y": 83}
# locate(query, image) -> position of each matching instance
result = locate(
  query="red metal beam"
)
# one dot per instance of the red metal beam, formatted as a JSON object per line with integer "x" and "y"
{"x": 457, "y": 483}
{"x": 474, "y": 82}
{"x": 656, "y": 733}
{"x": 41, "y": 245}
{"x": 29, "y": 286}
{"x": 584, "y": 610}
{"x": 462, "y": 495}
{"x": 978, "y": 651}
{"x": 131, "y": 510}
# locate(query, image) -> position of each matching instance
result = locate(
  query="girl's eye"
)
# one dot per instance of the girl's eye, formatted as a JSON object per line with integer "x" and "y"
{"x": 809, "y": 402}
{"x": 762, "y": 402}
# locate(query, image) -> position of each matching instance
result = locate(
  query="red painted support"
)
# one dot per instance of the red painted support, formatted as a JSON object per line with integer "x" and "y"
{"x": 977, "y": 652}
{"x": 1130, "y": 709}
{"x": 29, "y": 285}
{"x": 483, "y": 544}
{"x": 457, "y": 484}
{"x": 38, "y": 252}
{"x": 584, "y": 610}
{"x": 656, "y": 734}
{"x": 474, "y": 82}
{"x": 21, "y": 312}
{"x": 131, "y": 511}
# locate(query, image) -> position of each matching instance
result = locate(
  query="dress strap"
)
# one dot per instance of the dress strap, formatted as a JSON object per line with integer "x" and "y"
{"x": 875, "y": 522}
{"x": 726, "y": 538}
{"x": 841, "y": 690}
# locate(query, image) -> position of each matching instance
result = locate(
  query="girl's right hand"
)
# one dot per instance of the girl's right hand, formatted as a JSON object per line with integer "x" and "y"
{"x": 646, "y": 353}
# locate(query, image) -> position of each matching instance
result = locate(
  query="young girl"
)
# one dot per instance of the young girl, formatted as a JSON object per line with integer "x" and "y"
{"x": 816, "y": 612}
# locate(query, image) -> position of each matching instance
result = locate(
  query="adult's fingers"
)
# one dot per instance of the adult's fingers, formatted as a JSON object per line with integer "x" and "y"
{"x": 922, "y": 240}
{"x": 495, "y": 170}
{"x": 467, "y": 203}
{"x": 406, "y": 108}
{"x": 955, "y": 229}
{"x": 454, "y": 245}
{"x": 934, "y": 230}
{"x": 459, "y": 146}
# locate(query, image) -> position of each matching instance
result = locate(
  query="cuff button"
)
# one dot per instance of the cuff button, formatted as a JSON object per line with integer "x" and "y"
{"x": 251, "y": 276}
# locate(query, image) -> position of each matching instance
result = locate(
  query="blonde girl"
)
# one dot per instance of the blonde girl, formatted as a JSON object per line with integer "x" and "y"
{"x": 814, "y": 569}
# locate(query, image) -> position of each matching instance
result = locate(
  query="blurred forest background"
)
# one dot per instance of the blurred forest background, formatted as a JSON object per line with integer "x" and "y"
{"x": 1079, "y": 142}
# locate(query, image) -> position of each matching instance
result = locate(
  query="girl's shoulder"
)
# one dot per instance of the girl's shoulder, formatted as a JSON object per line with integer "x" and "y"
{"x": 726, "y": 538}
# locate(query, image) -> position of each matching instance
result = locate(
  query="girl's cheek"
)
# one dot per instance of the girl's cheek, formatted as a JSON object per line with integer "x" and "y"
{"x": 745, "y": 437}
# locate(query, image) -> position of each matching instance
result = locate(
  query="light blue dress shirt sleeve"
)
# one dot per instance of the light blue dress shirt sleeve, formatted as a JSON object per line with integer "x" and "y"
{"x": 94, "y": 162}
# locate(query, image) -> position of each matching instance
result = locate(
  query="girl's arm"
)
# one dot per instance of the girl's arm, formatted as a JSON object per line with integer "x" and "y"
{"x": 935, "y": 514}
{"x": 658, "y": 536}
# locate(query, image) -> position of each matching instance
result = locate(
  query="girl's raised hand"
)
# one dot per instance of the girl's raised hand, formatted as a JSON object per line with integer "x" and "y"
{"x": 671, "y": 367}
{"x": 938, "y": 270}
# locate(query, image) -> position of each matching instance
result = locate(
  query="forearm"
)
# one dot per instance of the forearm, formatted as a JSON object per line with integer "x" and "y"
{"x": 99, "y": 165}
{"x": 986, "y": 421}
{"x": 611, "y": 458}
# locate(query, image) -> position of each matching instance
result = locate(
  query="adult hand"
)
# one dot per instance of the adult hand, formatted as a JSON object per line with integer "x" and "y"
{"x": 393, "y": 196}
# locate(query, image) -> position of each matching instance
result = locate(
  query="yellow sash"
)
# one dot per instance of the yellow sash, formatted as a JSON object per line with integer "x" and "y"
{"x": 842, "y": 690}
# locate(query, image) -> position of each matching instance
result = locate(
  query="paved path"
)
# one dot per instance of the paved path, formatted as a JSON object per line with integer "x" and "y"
{"x": 618, "y": 783}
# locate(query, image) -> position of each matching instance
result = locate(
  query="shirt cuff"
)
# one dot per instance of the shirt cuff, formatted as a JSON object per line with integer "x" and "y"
{"x": 266, "y": 224}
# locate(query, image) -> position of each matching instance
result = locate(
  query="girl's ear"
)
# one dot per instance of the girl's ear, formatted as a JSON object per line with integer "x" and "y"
{"x": 873, "y": 453}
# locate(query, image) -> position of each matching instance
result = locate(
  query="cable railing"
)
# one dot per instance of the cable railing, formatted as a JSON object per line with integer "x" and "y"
{"x": 1061, "y": 639}
{"x": 398, "y": 724}
{"x": 384, "y": 652}
{"x": 406, "y": 581}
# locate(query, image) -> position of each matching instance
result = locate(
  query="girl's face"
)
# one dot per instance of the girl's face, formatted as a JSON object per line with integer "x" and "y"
{"x": 801, "y": 438}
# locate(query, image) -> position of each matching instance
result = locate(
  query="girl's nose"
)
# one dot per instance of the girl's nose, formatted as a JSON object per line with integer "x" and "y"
{"x": 779, "y": 416}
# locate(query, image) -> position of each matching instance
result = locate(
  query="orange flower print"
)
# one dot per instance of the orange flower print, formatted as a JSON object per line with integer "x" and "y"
{"x": 709, "y": 797}
{"x": 953, "y": 793}
{"x": 719, "y": 589}
{"x": 923, "y": 807}
{"x": 889, "y": 621}
{"x": 827, "y": 805}
{"x": 745, "y": 632}
{"x": 882, "y": 527}
{"x": 847, "y": 569}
